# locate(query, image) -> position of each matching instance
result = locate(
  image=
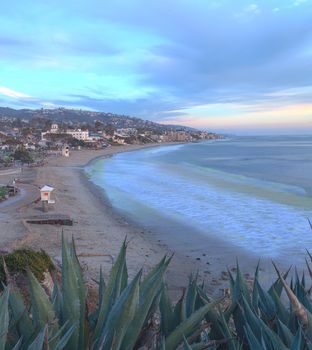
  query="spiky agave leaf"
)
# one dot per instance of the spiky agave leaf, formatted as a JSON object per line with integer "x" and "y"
{"x": 240, "y": 286}
{"x": 112, "y": 290}
{"x": 120, "y": 317}
{"x": 250, "y": 319}
{"x": 42, "y": 309}
{"x": 187, "y": 326}
{"x": 179, "y": 312}
{"x": 266, "y": 303}
{"x": 301, "y": 293}
{"x": 281, "y": 311}
{"x": 57, "y": 300}
{"x": 19, "y": 312}
{"x": 277, "y": 286}
{"x": 73, "y": 296}
{"x": 38, "y": 343}
{"x": 255, "y": 292}
{"x": 239, "y": 290}
{"x": 149, "y": 290}
{"x": 252, "y": 340}
{"x": 166, "y": 312}
{"x": 83, "y": 330}
{"x": 261, "y": 331}
{"x": 191, "y": 296}
{"x": 231, "y": 341}
{"x": 298, "y": 308}
{"x": 297, "y": 343}
{"x": 18, "y": 345}
{"x": 93, "y": 317}
{"x": 4, "y": 317}
{"x": 62, "y": 340}
{"x": 284, "y": 333}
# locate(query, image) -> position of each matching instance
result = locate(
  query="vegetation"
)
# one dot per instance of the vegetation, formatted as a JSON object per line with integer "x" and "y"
{"x": 72, "y": 142}
{"x": 22, "y": 155}
{"x": 125, "y": 312}
{"x": 22, "y": 260}
{"x": 3, "y": 192}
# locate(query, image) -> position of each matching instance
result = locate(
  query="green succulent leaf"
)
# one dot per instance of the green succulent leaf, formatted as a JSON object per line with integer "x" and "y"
{"x": 24, "y": 325}
{"x": 38, "y": 343}
{"x": 297, "y": 343}
{"x": 149, "y": 290}
{"x": 187, "y": 326}
{"x": 120, "y": 316}
{"x": 166, "y": 312}
{"x": 73, "y": 296}
{"x": 112, "y": 290}
{"x": 4, "y": 317}
{"x": 42, "y": 308}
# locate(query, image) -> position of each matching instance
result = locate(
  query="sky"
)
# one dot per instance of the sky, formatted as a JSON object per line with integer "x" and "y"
{"x": 221, "y": 65}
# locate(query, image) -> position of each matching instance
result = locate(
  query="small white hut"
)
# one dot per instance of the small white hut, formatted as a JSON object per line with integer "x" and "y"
{"x": 45, "y": 193}
{"x": 65, "y": 151}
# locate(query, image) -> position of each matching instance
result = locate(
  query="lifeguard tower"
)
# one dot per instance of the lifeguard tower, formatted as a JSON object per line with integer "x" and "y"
{"x": 65, "y": 151}
{"x": 45, "y": 193}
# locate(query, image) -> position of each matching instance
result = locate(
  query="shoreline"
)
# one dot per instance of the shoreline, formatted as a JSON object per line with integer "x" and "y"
{"x": 177, "y": 242}
{"x": 200, "y": 249}
{"x": 99, "y": 229}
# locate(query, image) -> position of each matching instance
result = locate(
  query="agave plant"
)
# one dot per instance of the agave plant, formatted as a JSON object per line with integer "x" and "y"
{"x": 258, "y": 319}
{"x": 120, "y": 320}
{"x": 255, "y": 318}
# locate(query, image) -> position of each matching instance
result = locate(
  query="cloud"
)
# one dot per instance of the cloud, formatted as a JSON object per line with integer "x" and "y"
{"x": 299, "y": 2}
{"x": 12, "y": 93}
{"x": 159, "y": 60}
{"x": 248, "y": 12}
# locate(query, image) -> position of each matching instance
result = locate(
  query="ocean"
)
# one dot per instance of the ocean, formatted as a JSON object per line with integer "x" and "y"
{"x": 251, "y": 193}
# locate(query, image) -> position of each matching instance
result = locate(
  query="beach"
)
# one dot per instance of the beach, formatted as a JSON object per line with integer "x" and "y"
{"x": 98, "y": 229}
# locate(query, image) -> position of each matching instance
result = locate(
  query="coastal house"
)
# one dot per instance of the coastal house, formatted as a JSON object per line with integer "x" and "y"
{"x": 54, "y": 129}
{"x": 82, "y": 135}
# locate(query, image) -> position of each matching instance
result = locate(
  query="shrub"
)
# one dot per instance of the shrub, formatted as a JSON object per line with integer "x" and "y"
{"x": 38, "y": 262}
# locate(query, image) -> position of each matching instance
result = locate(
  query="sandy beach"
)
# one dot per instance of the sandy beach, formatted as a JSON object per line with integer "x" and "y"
{"x": 98, "y": 229}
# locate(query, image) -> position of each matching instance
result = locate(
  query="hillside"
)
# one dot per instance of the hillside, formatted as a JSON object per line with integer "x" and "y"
{"x": 83, "y": 116}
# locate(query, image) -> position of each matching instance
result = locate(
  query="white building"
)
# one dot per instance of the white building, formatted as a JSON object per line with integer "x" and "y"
{"x": 54, "y": 129}
{"x": 125, "y": 132}
{"x": 79, "y": 134}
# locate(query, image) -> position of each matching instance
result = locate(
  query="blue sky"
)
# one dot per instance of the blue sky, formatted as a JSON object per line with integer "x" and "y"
{"x": 233, "y": 66}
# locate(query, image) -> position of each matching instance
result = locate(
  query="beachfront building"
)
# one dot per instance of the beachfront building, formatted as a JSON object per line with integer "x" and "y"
{"x": 82, "y": 135}
{"x": 126, "y": 132}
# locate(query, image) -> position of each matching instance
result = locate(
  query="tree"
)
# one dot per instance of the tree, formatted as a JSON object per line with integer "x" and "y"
{"x": 75, "y": 143}
{"x": 109, "y": 129}
{"x": 98, "y": 125}
{"x": 22, "y": 155}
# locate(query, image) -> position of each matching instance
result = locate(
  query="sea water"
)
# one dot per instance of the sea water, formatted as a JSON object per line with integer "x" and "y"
{"x": 254, "y": 193}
